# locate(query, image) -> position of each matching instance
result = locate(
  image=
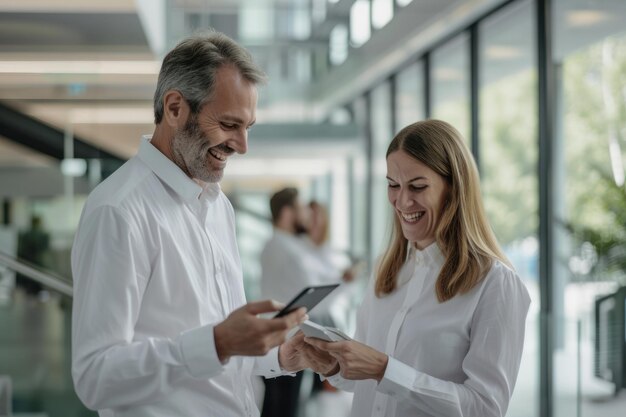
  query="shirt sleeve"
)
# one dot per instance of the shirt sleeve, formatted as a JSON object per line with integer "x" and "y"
{"x": 360, "y": 335}
{"x": 110, "y": 368}
{"x": 491, "y": 364}
{"x": 268, "y": 366}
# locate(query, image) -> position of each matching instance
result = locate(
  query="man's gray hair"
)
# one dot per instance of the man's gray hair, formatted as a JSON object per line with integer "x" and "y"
{"x": 191, "y": 66}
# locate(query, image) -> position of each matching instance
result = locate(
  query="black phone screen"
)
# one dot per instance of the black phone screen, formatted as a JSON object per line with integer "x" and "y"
{"x": 308, "y": 297}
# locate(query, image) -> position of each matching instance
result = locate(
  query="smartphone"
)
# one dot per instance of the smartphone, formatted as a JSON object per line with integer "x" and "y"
{"x": 308, "y": 297}
{"x": 329, "y": 334}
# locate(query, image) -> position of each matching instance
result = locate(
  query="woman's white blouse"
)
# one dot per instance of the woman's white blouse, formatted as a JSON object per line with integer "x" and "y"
{"x": 456, "y": 358}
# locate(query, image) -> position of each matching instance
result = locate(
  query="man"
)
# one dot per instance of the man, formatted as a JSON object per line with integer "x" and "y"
{"x": 284, "y": 259}
{"x": 160, "y": 326}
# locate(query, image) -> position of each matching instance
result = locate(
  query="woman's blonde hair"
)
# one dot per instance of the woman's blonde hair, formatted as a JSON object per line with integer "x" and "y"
{"x": 324, "y": 228}
{"x": 463, "y": 233}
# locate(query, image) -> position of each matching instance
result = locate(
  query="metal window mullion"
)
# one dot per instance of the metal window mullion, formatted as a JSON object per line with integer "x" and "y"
{"x": 427, "y": 88}
{"x": 393, "y": 93}
{"x": 475, "y": 92}
{"x": 546, "y": 101}
{"x": 369, "y": 152}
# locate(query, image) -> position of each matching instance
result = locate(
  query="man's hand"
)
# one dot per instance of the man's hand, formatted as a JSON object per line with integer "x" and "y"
{"x": 295, "y": 355}
{"x": 351, "y": 273}
{"x": 348, "y": 275}
{"x": 290, "y": 355}
{"x": 245, "y": 334}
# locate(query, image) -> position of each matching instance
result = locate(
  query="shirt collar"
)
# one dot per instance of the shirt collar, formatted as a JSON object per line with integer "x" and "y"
{"x": 430, "y": 255}
{"x": 190, "y": 190}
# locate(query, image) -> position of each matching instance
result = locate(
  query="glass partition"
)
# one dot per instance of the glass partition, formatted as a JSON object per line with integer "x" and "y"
{"x": 409, "y": 90}
{"x": 590, "y": 63}
{"x": 381, "y": 137}
{"x": 509, "y": 157}
{"x": 450, "y": 84}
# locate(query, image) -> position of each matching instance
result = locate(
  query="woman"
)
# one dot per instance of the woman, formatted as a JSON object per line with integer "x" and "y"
{"x": 317, "y": 243}
{"x": 441, "y": 329}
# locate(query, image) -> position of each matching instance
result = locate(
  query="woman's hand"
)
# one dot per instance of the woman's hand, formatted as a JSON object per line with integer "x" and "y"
{"x": 295, "y": 355}
{"x": 356, "y": 360}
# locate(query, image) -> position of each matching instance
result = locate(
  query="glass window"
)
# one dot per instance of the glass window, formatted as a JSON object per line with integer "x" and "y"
{"x": 338, "y": 48}
{"x": 381, "y": 137}
{"x": 300, "y": 65}
{"x": 410, "y": 95}
{"x": 382, "y": 13}
{"x": 339, "y": 116}
{"x": 300, "y": 20}
{"x": 590, "y": 261}
{"x": 508, "y": 158}
{"x": 360, "y": 29}
{"x": 255, "y": 22}
{"x": 450, "y": 84}
{"x": 253, "y": 231}
{"x": 359, "y": 174}
{"x": 318, "y": 11}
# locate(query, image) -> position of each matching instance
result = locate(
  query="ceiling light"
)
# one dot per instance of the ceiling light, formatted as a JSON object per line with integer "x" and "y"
{"x": 502, "y": 52}
{"x": 73, "y": 167}
{"x": 80, "y": 67}
{"x": 582, "y": 18}
{"x": 112, "y": 115}
{"x": 448, "y": 74}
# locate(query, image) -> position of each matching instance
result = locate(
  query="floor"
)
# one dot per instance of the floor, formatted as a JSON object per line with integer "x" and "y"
{"x": 34, "y": 352}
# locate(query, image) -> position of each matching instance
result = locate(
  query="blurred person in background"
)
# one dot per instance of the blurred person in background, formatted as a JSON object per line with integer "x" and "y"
{"x": 32, "y": 246}
{"x": 318, "y": 233}
{"x": 331, "y": 268}
{"x": 441, "y": 329}
{"x": 284, "y": 259}
{"x": 287, "y": 268}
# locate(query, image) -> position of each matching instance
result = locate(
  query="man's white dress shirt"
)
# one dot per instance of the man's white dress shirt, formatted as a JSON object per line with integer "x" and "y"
{"x": 156, "y": 267}
{"x": 451, "y": 359}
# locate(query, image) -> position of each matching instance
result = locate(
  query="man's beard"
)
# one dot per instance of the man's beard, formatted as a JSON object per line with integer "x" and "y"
{"x": 299, "y": 228}
{"x": 190, "y": 151}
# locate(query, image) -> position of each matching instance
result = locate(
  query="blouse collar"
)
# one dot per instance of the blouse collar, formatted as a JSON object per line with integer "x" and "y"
{"x": 430, "y": 255}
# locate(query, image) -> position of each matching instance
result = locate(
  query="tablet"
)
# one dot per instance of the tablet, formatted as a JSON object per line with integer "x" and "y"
{"x": 308, "y": 297}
